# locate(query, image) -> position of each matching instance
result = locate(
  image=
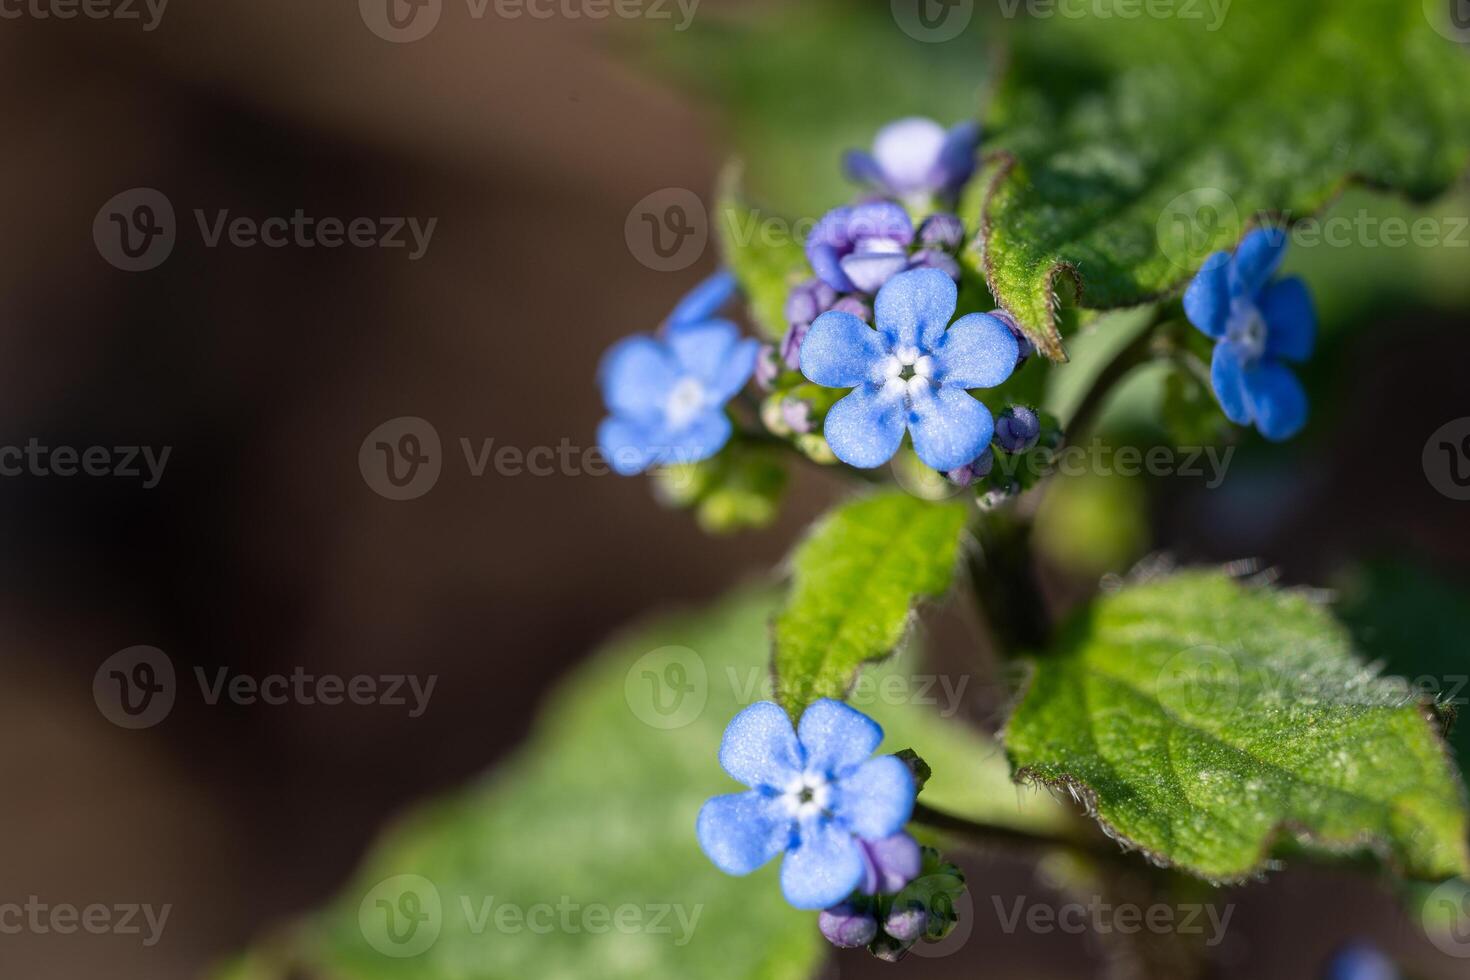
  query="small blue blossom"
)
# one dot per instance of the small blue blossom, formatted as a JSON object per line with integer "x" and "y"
{"x": 916, "y": 158}
{"x": 909, "y": 374}
{"x": 1259, "y": 323}
{"x": 848, "y": 925}
{"x": 816, "y": 795}
{"x": 667, "y": 394}
{"x": 858, "y": 248}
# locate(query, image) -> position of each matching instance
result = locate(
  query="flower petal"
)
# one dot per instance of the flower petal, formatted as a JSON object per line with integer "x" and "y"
{"x": 636, "y": 376}
{"x": 826, "y": 245}
{"x": 700, "y": 347}
{"x": 836, "y": 737}
{"x": 870, "y": 270}
{"x": 908, "y": 152}
{"x": 877, "y": 798}
{"x": 1256, "y": 260}
{"x": 978, "y": 351}
{"x": 826, "y": 866}
{"x": 913, "y": 308}
{"x": 949, "y": 427}
{"x": 1277, "y": 400}
{"x": 705, "y": 299}
{"x": 841, "y": 351}
{"x": 1226, "y": 374}
{"x": 885, "y": 221}
{"x": 865, "y": 427}
{"x": 893, "y": 862}
{"x": 700, "y": 439}
{"x": 742, "y": 831}
{"x": 625, "y": 445}
{"x": 1207, "y": 300}
{"x": 1291, "y": 320}
{"x": 760, "y": 748}
{"x": 957, "y": 158}
{"x": 860, "y": 167}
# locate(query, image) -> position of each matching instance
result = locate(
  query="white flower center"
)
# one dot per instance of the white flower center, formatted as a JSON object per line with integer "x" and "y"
{"x": 685, "y": 403}
{"x": 1246, "y": 329}
{"x": 807, "y": 795}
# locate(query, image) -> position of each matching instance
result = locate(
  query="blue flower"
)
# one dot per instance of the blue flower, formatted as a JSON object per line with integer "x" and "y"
{"x": 914, "y": 158}
{"x": 1259, "y": 323}
{"x": 858, "y": 248}
{"x": 815, "y": 794}
{"x": 910, "y": 374}
{"x": 667, "y": 394}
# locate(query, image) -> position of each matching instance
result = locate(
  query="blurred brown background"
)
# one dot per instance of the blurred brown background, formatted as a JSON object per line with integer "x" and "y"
{"x": 263, "y": 549}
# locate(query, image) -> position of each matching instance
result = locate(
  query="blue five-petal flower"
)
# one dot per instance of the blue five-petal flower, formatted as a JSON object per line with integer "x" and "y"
{"x": 1259, "y": 324}
{"x": 910, "y": 374}
{"x": 815, "y": 794}
{"x": 667, "y": 394}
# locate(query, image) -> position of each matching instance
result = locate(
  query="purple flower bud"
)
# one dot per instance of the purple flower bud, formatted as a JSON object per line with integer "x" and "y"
{"x": 856, "y": 306}
{"x": 809, "y": 300}
{"x": 767, "y": 367}
{"x": 933, "y": 258}
{"x": 976, "y": 469}
{"x": 892, "y": 863}
{"x": 797, "y": 415}
{"x": 1023, "y": 343}
{"x": 906, "y": 923}
{"x": 1017, "y": 429}
{"x": 847, "y": 926}
{"x": 791, "y": 345}
{"x": 942, "y": 231}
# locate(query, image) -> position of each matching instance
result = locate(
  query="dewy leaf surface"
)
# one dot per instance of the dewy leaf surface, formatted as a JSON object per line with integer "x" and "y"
{"x": 1200, "y": 719}
{"x": 856, "y": 579}
{"x": 1123, "y": 149}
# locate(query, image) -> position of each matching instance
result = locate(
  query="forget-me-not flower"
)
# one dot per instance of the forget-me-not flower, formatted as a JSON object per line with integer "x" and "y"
{"x": 666, "y": 394}
{"x": 1259, "y": 324}
{"x": 909, "y": 374}
{"x": 857, "y": 248}
{"x": 913, "y": 158}
{"x": 816, "y": 794}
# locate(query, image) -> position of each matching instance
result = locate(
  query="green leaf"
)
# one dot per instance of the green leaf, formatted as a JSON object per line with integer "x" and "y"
{"x": 765, "y": 253}
{"x": 1201, "y": 719}
{"x": 598, "y": 811}
{"x": 856, "y": 579}
{"x": 1121, "y": 153}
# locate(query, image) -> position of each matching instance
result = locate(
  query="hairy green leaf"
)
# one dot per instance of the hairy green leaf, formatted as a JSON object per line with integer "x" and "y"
{"x": 1201, "y": 719}
{"x": 856, "y": 579}
{"x": 1123, "y": 150}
